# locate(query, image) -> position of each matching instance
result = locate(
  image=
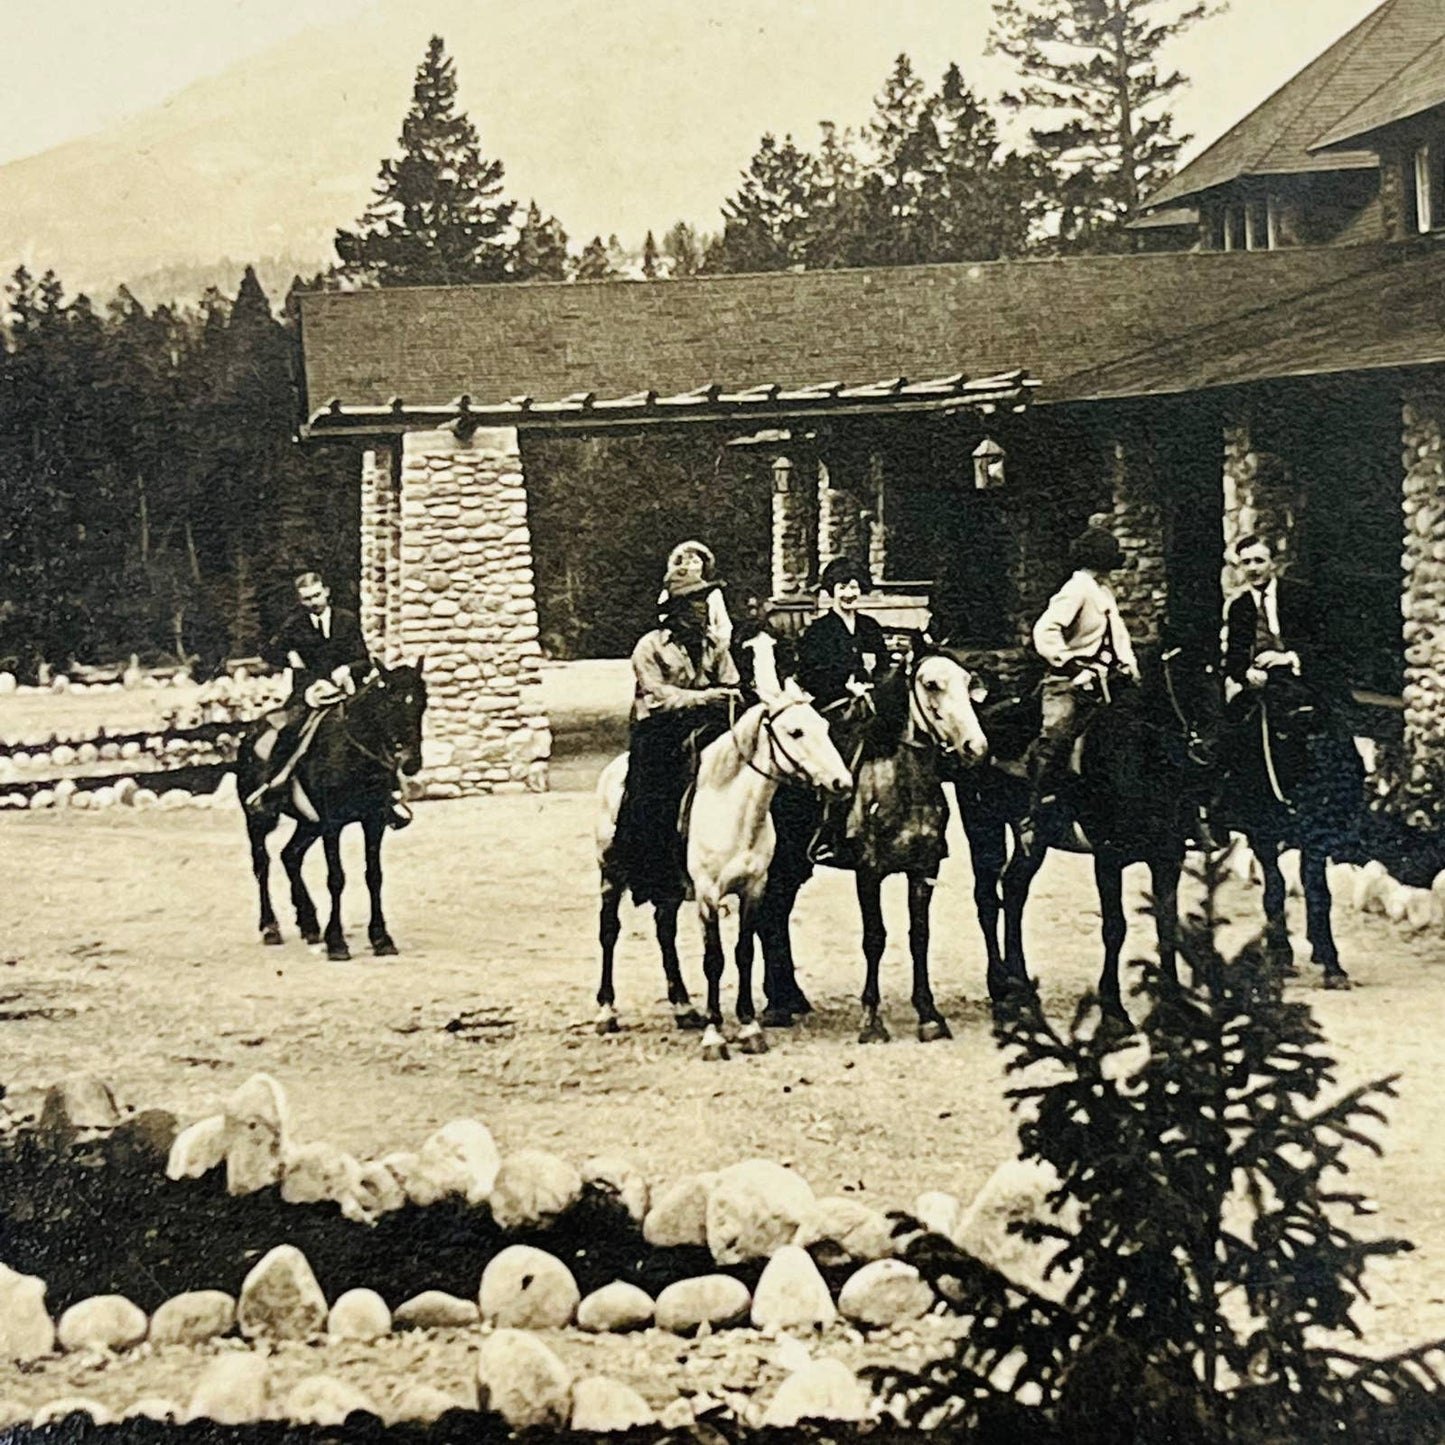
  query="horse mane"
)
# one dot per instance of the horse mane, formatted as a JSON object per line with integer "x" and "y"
{"x": 723, "y": 758}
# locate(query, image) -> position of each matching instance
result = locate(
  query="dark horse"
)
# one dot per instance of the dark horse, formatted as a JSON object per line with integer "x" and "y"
{"x": 1292, "y": 778}
{"x": 924, "y": 714}
{"x": 1142, "y": 773}
{"x": 347, "y": 776}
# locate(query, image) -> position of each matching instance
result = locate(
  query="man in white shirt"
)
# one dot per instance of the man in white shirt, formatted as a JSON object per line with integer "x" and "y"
{"x": 1271, "y": 626}
{"x": 1085, "y": 642}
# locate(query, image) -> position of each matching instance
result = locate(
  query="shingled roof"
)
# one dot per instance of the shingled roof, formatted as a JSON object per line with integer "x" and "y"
{"x": 1392, "y": 316}
{"x": 1276, "y": 138}
{"x": 1419, "y": 87}
{"x": 1051, "y": 318}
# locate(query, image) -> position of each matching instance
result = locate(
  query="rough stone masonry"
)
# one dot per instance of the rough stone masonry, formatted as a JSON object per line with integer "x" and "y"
{"x": 446, "y": 574}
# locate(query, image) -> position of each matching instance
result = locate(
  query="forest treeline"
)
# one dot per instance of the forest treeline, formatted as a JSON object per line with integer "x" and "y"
{"x": 154, "y": 500}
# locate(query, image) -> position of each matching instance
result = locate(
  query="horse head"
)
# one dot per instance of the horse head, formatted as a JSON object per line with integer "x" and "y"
{"x": 801, "y": 745}
{"x": 942, "y": 698}
{"x": 397, "y": 698}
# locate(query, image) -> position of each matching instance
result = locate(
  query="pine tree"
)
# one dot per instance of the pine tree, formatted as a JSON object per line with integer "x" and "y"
{"x": 1204, "y": 1239}
{"x": 595, "y": 262}
{"x": 437, "y": 217}
{"x": 540, "y": 253}
{"x": 649, "y": 257}
{"x": 903, "y": 140}
{"x": 1092, "y": 66}
{"x": 766, "y": 223}
{"x": 683, "y": 250}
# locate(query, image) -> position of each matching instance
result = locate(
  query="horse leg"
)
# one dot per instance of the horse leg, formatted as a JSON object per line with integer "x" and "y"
{"x": 1109, "y": 879}
{"x": 931, "y": 1024}
{"x": 1317, "y": 914}
{"x": 1018, "y": 877}
{"x": 1276, "y": 925}
{"x": 987, "y": 841}
{"x": 869, "y": 887}
{"x": 750, "y": 1037}
{"x": 665, "y": 922}
{"x": 609, "y": 927}
{"x": 714, "y": 1046}
{"x": 783, "y": 997}
{"x": 258, "y": 830}
{"x": 292, "y": 857}
{"x": 336, "y": 948}
{"x": 1164, "y": 881}
{"x": 382, "y": 943}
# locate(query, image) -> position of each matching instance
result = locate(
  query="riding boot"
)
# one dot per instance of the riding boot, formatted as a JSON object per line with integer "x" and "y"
{"x": 1043, "y": 772}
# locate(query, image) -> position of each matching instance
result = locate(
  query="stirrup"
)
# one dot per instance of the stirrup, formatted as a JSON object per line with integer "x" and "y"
{"x": 399, "y": 815}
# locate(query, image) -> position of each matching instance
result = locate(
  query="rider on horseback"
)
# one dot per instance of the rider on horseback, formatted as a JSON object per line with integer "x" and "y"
{"x": 327, "y": 655}
{"x": 840, "y": 657}
{"x": 683, "y": 685}
{"x": 1085, "y": 642}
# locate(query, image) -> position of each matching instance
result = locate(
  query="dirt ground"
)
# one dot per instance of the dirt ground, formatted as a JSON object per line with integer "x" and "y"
{"x": 130, "y": 951}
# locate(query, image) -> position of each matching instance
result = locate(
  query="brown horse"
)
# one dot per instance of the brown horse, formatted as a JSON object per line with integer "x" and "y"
{"x": 925, "y": 722}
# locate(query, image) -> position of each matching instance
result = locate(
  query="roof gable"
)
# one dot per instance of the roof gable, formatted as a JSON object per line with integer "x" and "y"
{"x": 1276, "y": 137}
{"x": 1052, "y": 318}
{"x": 1419, "y": 87}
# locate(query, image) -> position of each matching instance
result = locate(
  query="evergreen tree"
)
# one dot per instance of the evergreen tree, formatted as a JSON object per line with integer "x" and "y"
{"x": 1202, "y": 1236}
{"x": 903, "y": 139}
{"x": 437, "y": 217}
{"x": 540, "y": 253}
{"x": 1108, "y": 134}
{"x": 683, "y": 249}
{"x": 595, "y": 262}
{"x": 766, "y": 224}
{"x": 649, "y": 258}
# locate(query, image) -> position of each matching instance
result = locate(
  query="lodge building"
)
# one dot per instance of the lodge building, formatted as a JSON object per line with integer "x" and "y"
{"x": 956, "y": 424}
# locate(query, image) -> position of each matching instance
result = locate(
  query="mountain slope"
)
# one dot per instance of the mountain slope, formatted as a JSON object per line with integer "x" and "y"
{"x": 616, "y": 117}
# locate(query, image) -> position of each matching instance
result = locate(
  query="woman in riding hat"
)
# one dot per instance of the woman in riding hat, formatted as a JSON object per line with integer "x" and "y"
{"x": 693, "y": 559}
{"x": 683, "y": 686}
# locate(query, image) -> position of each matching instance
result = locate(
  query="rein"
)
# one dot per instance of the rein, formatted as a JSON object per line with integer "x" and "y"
{"x": 794, "y": 769}
{"x": 1193, "y": 742}
{"x": 351, "y": 738}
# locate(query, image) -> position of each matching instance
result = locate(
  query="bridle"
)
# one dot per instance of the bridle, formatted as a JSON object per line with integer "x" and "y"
{"x": 390, "y": 765}
{"x": 794, "y": 769}
{"x": 1194, "y": 743}
{"x": 917, "y": 710}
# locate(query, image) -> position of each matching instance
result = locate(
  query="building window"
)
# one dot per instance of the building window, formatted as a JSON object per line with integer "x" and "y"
{"x": 1429, "y": 187}
{"x": 1234, "y": 228}
{"x": 1273, "y": 227}
{"x": 1256, "y": 227}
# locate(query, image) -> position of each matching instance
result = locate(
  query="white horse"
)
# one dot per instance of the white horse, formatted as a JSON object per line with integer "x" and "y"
{"x": 730, "y": 842}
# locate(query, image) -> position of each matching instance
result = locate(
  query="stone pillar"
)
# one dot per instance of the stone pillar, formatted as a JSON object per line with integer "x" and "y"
{"x": 381, "y": 551}
{"x": 792, "y": 560}
{"x": 1137, "y": 520}
{"x": 1423, "y": 604}
{"x": 1259, "y": 496}
{"x": 878, "y": 523}
{"x": 465, "y": 581}
{"x": 840, "y": 519}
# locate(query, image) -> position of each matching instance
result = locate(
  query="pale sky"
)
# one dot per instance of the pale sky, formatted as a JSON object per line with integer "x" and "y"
{"x": 89, "y": 62}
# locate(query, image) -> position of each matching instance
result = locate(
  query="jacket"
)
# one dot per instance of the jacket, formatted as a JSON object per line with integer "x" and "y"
{"x": 301, "y": 646}
{"x": 830, "y": 656}
{"x": 1300, "y": 632}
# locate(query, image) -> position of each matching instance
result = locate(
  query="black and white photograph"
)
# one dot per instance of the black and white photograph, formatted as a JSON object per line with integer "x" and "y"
{"x": 722, "y": 724}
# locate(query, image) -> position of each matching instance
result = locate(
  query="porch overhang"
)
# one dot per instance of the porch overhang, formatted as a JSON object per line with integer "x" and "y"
{"x": 758, "y": 404}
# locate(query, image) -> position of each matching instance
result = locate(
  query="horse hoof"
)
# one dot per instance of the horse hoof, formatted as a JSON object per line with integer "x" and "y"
{"x": 874, "y": 1032}
{"x": 271, "y": 936}
{"x": 932, "y": 1029}
{"x": 798, "y": 1002}
{"x": 777, "y": 1018}
{"x": 384, "y": 948}
{"x": 311, "y": 937}
{"x": 691, "y": 1020}
{"x": 607, "y": 1021}
{"x": 714, "y": 1046}
{"x": 1338, "y": 981}
{"x": 338, "y": 952}
{"x": 751, "y": 1039}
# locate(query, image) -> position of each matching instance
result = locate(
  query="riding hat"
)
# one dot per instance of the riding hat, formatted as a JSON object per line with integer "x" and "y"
{"x": 841, "y": 570}
{"x": 682, "y": 583}
{"x": 1097, "y": 549}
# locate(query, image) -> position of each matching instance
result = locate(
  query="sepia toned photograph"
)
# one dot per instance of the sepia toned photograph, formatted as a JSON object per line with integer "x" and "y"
{"x": 722, "y": 725}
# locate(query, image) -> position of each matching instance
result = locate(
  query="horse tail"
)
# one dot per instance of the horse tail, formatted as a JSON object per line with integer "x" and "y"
{"x": 610, "y": 785}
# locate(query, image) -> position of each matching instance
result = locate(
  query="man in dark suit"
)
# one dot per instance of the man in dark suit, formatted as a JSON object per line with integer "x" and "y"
{"x": 840, "y": 657}
{"x": 324, "y": 648}
{"x": 1273, "y": 627}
